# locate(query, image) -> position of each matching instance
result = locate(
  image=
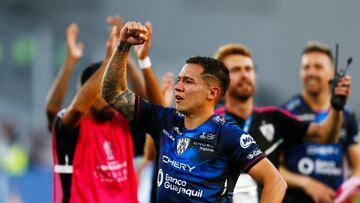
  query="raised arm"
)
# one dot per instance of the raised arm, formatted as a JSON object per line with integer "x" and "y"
{"x": 133, "y": 73}
{"x": 114, "y": 88}
{"x": 274, "y": 185}
{"x": 328, "y": 131}
{"x": 58, "y": 89}
{"x": 89, "y": 92}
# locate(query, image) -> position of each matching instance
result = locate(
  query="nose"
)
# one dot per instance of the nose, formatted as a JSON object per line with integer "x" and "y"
{"x": 179, "y": 86}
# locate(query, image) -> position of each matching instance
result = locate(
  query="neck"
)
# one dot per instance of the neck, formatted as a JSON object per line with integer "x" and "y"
{"x": 238, "y": 107}
{"x": 318, "y": 102}
{"x": 195, "y": 119}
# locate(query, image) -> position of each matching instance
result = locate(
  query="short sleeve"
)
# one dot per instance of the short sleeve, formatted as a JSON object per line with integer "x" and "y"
{"x": 239, "y": 147}
{"x": 292, "y": 129}
{"x": 150, "y": 117}
{"x": 60, "y": 130}
{"x": 352, "y": 130}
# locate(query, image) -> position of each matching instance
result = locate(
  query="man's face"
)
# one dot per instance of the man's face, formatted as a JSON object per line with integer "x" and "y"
{"x": 242, "y": 76}
{"x": 191, "y": 90}
{"x": 102, "y": 110}
{"x": 316, "y": 72}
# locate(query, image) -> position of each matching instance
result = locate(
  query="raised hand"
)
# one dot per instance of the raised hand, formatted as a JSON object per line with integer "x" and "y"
{"x": 167, "y": 88}
{"x": 115, "y": 21}
{"x": 75, "y": 49}
{"x": 111, "y": 41}
{"x": 133, "y": 33}
{"x": 142, "y": 51}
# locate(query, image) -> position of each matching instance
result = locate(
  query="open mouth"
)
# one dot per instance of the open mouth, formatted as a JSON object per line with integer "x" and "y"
{"x": 178, "y": 98}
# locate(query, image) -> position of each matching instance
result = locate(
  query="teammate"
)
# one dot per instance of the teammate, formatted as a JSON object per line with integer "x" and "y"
{"x": 94, "y": 150}
{"x": 272, "y": 128}
{"x": 317, "y": 169}
{"x": 197, "y": 150}
{"x": 57, "y": 92}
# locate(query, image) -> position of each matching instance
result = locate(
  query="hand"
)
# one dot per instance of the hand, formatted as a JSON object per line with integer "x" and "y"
{"x": 115, "y": 21}
{"x": 75, "y": 50}
{"x": 142, "y": 51}
{"x": 319, "y": 192}
{"x": 133, "y": 34}
{"x": 340, "y": 92}
{"x": 111, "y": 42}
{"x": 343, "y": 87}
{"x": 167, "y": 88}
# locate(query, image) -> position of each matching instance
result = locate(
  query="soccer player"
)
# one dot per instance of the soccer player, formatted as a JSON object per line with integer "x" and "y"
{"x": 272, "y": 128}
{"x": 57, "y": 92}
{"x": 315, "y": 171}
{"x": 94, "y": 150}
{"x": 197, "y": 151}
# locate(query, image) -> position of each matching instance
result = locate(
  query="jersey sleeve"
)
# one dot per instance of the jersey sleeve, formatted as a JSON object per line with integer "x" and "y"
{"x": 60, "y": 131}
{"x": 352, "y": 130}
{"x": 239, "y": 147}
{"x": 291, "y": 128}
{"x": 151, "y": 118}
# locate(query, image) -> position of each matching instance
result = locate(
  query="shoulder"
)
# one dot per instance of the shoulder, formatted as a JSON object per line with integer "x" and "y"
{"x": 293, "y": 103}
{"x": 274, "y": 110}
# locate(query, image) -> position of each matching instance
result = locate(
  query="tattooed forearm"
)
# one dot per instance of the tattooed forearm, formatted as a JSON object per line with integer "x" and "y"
{"x": 124, "y": 103}
{"x": 114, "y": 88}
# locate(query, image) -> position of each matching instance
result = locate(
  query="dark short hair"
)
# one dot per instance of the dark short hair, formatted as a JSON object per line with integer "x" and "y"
{"x": 215, "y": 68}
{"x": 315, "y": 46}
{"x": 89, "y": 71}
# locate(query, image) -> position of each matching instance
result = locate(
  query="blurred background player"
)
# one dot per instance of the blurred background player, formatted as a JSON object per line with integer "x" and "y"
{"x": 272, "y": 128}
{"x": 315, "y": 171}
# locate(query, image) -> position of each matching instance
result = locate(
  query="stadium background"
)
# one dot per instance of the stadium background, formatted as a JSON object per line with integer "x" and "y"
{"x": 32, "y": 49}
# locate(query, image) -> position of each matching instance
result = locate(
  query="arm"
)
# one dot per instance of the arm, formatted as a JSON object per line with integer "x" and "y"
{"x": 353, "y": 153}
{"x": 318, "y": 191}
{"x": 328, "y": 131}
{"x": 134, "y": 74}
{"x": 114, "y": 88}
{"x": 57, "y": 92}
{"x": 88, "y": 93}
{"x": 274, "y": 185}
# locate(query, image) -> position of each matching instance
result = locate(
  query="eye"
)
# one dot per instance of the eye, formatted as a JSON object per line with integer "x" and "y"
{"x": 189, "y": 82}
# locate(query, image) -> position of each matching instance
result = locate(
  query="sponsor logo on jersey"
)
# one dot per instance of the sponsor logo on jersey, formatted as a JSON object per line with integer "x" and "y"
{"x": 171, "y": 137}
{"x": 177, "y": 164}
{"x": 268, "y": 131}
{"x": 254, "y": 153}
{"x": 322, "y": 150}
{"x": 246, "y": 140}
{"x": 182, "y": 145}
{"x": 206, "y": 147}
{"x": 218, "y": 119}
{"x": 308, "y": 166}
{"x": 207, "y": 136}
{"x": 176, "y": 129}
{"x": 176, "y": 185}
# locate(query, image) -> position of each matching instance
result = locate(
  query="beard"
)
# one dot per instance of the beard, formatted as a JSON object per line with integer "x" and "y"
{"x": 312, "y": 86}
{"x": 241, "y": 95}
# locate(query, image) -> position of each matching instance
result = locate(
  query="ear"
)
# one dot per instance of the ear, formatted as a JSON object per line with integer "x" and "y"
{"x": 214, "y": 93}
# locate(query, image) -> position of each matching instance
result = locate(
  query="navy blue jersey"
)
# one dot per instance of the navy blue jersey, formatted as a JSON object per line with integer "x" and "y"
{"x": 194, "y": 165}
{"x": 272, "y": 128}
{"x": 323, "y": 162}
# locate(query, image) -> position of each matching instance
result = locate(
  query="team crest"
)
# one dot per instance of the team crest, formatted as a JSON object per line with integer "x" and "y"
{"x": 268, "y": 131}
{"x": 182, "y": 145}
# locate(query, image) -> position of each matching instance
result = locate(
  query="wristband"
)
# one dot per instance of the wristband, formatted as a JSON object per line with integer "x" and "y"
{"x": 145, "y": 63}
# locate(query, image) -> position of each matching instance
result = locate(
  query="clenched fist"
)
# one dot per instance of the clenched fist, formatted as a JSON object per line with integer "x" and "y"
{"x": 133, "y": 33}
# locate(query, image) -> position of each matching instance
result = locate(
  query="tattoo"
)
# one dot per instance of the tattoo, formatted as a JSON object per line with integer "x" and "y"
{"x": 124, "y": 103}
{"x": 114, "y": 88}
